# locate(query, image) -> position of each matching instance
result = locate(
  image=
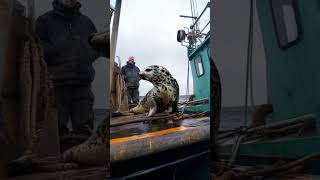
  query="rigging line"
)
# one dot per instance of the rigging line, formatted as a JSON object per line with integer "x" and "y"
{"x": 204, "y": 27}
{"x": 251, "y": 64}
{"x": 249, "y": 51}
{"x": 194, "y": 11}
{"x": 187, "y": 91}
{"x": 197, "y": 14}
{"x": 196, "y": 3}
{"x": 251, "y": 75}
{"x": 192, "y": 14}
{"x": 188, "y": 77}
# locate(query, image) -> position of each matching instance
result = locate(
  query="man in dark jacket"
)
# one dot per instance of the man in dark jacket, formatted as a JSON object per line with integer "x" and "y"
{"x": 64, "y": 32}
{"x": 131, "y": 77}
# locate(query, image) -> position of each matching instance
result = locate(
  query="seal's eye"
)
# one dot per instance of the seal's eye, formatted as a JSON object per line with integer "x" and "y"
{"x": 148, "y": 70}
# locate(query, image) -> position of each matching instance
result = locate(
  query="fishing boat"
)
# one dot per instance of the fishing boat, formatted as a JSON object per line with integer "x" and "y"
{"x": 29, "y": 130}
{"x": 282, "y": 141}
{"x": 156, "y": 149}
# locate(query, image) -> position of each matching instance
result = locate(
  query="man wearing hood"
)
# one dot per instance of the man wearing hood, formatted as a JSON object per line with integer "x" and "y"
{"x": 131, "y": 77}
{"x": 64, "y": 32}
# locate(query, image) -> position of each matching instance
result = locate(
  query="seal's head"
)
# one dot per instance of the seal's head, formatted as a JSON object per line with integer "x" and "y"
{"x": 155, "y": 74}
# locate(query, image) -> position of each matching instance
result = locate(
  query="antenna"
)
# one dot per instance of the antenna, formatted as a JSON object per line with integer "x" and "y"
{"x": 193, "y": 36}
{"x": 184, "y": 16}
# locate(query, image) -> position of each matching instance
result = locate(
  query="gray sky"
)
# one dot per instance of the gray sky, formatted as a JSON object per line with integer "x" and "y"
{"x": 231, "y": 18}
{"x": 148, "y": 31}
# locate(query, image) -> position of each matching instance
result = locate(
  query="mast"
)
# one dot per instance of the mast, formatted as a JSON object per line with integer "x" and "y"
{"x": 114, "y": 36}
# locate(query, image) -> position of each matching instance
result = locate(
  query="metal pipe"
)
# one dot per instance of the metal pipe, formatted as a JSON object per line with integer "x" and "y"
{"x": 207, "y": 6}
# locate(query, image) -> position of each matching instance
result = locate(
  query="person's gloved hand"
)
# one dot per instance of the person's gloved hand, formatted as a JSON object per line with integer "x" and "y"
{"x": 101, "y": 43}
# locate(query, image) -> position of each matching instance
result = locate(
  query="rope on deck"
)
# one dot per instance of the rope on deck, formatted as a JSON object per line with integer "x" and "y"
{"x": 161, "y": 116}
{"x": 225, "y": 171}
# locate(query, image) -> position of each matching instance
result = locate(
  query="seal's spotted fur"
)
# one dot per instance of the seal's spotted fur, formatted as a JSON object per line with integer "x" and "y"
{"x": 163, "y": 95}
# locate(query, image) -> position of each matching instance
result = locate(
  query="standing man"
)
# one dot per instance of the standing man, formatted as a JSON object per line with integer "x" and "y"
{"x": 131, "y": 77}
{"x": 64, "y": 32}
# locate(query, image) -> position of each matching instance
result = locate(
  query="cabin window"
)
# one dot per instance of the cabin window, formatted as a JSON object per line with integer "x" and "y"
{"x": 286, "y": 22}
{"x": 199, "y": 66}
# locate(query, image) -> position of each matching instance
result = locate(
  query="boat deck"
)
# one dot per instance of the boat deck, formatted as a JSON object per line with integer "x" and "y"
{"x": 150, "y": 144}
{"x": 136, "y": 130}
{"x": 131, "y": 125}
{"x": 134, "y": 136}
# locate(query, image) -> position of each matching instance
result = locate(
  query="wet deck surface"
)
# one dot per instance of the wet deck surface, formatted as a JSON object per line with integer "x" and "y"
{"x": 115, "y": 132}
{"x": 148, "y": 127}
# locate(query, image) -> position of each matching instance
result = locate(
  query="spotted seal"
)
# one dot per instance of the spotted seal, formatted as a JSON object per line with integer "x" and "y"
{"x": 163, "y": 95}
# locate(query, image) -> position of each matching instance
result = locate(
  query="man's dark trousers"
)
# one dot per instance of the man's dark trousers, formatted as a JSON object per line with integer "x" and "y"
{"x": 133, "y": 95}
{"x": 75, "y": 102}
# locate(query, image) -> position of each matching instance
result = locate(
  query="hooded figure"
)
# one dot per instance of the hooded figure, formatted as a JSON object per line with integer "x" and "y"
{"x": 64, "y": 32}
{"x": 131, "y": 77}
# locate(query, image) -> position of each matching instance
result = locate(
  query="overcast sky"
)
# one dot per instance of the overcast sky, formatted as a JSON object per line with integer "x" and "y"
{"x": 231, "y": 22}
{"x": 148, "y": 31}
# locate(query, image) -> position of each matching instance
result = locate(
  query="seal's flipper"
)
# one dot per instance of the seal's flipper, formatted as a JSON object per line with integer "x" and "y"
{"x": 153, "y": 108}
